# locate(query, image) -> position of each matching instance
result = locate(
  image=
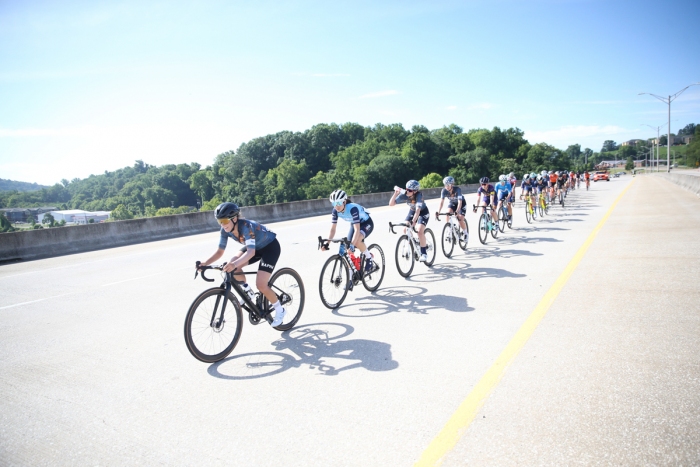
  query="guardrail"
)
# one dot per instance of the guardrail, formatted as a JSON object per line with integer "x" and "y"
{"x": 59, "y": 241}
{"x": 689, "y": 182}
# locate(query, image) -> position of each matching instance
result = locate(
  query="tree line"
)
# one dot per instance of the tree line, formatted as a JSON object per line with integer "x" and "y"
{"x": 291, "y": 166}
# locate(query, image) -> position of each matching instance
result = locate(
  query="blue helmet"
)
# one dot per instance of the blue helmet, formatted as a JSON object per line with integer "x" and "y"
{"x": 413, "y": 185}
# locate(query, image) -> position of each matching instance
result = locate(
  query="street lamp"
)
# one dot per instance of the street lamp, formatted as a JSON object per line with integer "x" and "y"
{"x": 668, "y": 101}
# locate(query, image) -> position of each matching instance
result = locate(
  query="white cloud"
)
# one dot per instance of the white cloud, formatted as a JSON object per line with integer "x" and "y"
{"x": 373, "y": 95}
{"x": 451, "y": 107}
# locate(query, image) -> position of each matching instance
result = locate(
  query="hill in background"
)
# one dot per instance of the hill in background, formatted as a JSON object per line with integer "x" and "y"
{"x": 11, "y": 185}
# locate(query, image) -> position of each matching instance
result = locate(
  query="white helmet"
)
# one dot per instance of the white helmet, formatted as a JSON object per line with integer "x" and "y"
{"x": 539, "y": 177}
{"x": 543, "y": 173}
{"x": 338, "y": 196}
{"x": 526, "y": 176}
{"x": 502, "y": 178}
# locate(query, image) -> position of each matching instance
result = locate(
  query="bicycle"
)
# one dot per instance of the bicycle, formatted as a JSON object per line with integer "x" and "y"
{"x": 529, "y": 209}
{"x": 335, "y": 280}
{"x": 210, "y": 337}
{"x": 408, "y": 248}
{"x": 503, "y": 216}
{"x": 452, "y": 233}
{"x": 561, "y": 198}
{"x": 543, "y": 205}
{"x": 486, "y": 224}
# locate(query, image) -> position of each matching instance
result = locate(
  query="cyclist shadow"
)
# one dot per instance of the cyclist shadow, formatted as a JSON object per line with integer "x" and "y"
{"x": 494, "y": 251}
{"x": 519, "y": 240}
{"x": 316, "y": 345}
{"x": 411, "y": 299}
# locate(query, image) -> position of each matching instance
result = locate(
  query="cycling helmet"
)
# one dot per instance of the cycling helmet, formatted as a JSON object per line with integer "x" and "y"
{"x": 543, "y": 173}
{"x": 533, "y": 175}
{"x": 226, "y": 211}
{"x": 413, "y": 185}
{"x": 511, "y": 175}
{"x": 338, "y": 196}
{"x": 448, "y": 181}
{"x": 526, "y": 176}
{"x": 551, "y": 172}
{"x": 502, "y": 178}
{"x": 484, "y": 180}
{"x": 539, "y": 178}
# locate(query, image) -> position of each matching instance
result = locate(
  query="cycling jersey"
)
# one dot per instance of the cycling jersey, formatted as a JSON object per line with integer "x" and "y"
{"x": 353, "y": 213}
{"x": 486, "y": 193}
{"x": 588, "y": 176}
{"x": 250, "y": 234}
{"x": 414, "y": 202}
{"x": 502, "y": 190}
{"x": 553, "y": 178}
{"x": 453, "y": 196}
{"x": 527, "y": 185}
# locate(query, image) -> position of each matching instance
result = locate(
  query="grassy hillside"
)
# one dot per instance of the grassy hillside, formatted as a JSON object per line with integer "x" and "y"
{"x": 11, "y": 185}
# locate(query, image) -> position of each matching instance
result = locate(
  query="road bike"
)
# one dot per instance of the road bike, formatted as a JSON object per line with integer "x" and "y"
{"x": 408, "y": 248}
{"x": 453, "y": 234}
{"x": 214, "y": 321}
{"x": 561, "y": 198}
{"x": 543, "y": 206}
{"x": 486, "y": 224}
{"x": 503, "y": 217}
{"x": 530, "y": 211}
{"x": 343, "y": 271}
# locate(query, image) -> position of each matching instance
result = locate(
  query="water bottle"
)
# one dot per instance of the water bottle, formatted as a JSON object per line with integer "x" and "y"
{"x": 341, "y": 251}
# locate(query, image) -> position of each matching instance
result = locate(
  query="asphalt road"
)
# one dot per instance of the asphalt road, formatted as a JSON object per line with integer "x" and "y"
{"x": 95, "y": 369}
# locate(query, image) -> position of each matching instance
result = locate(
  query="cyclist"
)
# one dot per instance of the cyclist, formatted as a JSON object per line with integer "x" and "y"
{"x": 572, "y": 179}
{"x": 587, "y": 176}
{"x": 552, "y": 184}
{"x": 541, "y": 187}
{"x": 486, "y": 196}
{"x": 513, "y": 180}
{"x": 361, "y": 224}
{"x": 259, "y": 244}
{"x": 418, "y": 213}
{"x": 503, "y": 193}
{"x": 527, "y": 188}
{"x": 562, "y": 181}
{"x": 457, "y": 204}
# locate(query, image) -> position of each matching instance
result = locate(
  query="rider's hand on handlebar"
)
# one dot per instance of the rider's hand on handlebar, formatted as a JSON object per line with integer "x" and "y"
{"x": 230, "y": 267}
{"x": 325, "y": 246}
{"x": 437, "y": 216}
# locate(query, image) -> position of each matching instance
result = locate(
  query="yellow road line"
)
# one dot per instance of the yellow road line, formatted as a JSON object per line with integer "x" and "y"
{"x": 455, "y": 427}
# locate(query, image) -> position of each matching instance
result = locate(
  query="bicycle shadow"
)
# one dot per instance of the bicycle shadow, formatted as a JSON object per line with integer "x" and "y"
{"x": 494, "y": 251}
{"x": 518, "y": 240}
{"x": 316, "y": 345}
{"x": 410, "y": 299}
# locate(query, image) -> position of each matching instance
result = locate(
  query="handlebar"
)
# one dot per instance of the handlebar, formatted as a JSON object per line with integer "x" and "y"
{"x": 400, "y": 224}
{"x": 324, "y": 242}
{"x": 201, "y": 269}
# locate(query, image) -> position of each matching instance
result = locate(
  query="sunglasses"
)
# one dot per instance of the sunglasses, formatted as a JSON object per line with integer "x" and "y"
{"x": 410, "y": 191}
{"x": 223, "y": 221}
{"x": 338, "y": 203}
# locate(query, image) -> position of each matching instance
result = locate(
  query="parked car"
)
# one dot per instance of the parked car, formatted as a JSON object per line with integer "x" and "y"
{"x": 601, "y": 176}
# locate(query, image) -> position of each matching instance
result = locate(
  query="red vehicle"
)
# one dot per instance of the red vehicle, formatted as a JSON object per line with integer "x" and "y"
{"x": 601, "y": 175}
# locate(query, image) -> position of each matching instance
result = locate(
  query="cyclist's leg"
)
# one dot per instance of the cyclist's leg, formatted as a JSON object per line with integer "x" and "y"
{"x": 359, "y": 242}
{"x": 268, "y": 260}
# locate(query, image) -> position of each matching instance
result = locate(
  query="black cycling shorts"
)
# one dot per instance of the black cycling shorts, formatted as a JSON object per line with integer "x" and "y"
{"x": 422, "y": 218}
{"x": 453, "y": 207}
{"x": 366, "y": 228}
{"x": 267, "y": 256}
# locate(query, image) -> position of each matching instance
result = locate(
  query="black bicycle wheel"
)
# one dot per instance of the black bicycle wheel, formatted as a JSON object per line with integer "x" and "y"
{"x": 334, "y": 281}
{"x": 528, "y": 216}
{"x": 431, "y": 248}
{"x": 372, "y": 279}
{"x": 448, "y": 240}
{"x": 494, "y": 229}
{"x": 483, "y": 228}
{"x": 502, "y": 218}
{"x": 289, "y": 288}
{"x": 209, "y": 336}
{"x": 404, "y": 256}
{"x": 462, "y": 242}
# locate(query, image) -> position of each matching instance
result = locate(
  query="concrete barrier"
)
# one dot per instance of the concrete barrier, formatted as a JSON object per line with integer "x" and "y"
{"x": 687, "y": 181}
{"x": 45, "y": 243}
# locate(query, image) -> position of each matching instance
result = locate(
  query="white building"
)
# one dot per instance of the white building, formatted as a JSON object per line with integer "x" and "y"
{"x": 77, "y": 216}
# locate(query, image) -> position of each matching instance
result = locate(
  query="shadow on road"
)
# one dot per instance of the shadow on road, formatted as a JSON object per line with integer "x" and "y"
{"x": 317, "y": 345}
{"x": 411, "y": 299}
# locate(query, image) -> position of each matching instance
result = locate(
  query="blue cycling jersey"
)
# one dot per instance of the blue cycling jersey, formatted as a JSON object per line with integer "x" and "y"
{"x": 527, "y": 185}
{"x": 503, "y": 188}
{"x": 453, "y": 196}
{"x": 353, "y": 213}
{"x": 251, "y": 234}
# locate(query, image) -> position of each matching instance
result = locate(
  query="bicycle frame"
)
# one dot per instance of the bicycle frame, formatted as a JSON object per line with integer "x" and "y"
{"x": 346, "y": 256}
{"x": 412, "y": 236}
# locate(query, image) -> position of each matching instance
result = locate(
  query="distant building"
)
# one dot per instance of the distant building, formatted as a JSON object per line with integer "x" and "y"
{"x": 23, "y": 214}
{"x": 633, "y": 142}
{"x": 77, "y": 216}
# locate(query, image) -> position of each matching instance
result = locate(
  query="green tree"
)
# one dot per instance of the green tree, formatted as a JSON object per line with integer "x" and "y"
{"x": 284, "y": 182}
{"x": 432, "y": 180}
{"x": 48, "y": 219}
{"x": 692, "y": 153}
{"x": 5, "y": 225}
{"x": 609, "y": 146}
{"x": 121, "y": 213}
{"x": 630, "y": 164}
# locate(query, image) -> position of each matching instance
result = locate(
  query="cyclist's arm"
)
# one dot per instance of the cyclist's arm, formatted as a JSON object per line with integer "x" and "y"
{"x": 213, "y": 258}
{"x": 332, "y": 232}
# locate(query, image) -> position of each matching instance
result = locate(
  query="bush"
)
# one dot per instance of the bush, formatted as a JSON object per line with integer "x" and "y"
{"x": 432, "y": 180}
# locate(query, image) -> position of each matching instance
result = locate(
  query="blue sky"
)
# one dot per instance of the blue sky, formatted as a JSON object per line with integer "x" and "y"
{"x": 92, "y": 86}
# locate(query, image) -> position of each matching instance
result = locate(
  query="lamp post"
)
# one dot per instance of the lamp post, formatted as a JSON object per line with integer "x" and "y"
{"x": 668, "y": 100}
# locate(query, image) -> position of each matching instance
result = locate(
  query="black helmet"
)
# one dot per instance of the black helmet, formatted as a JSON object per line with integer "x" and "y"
{"x": 226, "y": 211}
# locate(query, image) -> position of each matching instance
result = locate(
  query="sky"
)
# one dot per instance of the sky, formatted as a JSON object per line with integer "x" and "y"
{"x": 91, "y": 86}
